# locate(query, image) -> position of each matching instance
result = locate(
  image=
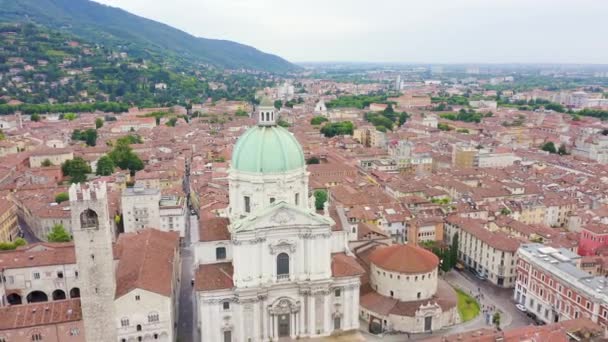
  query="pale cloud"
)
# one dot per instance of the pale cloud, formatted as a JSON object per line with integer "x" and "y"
{"x": 433, "y": 31}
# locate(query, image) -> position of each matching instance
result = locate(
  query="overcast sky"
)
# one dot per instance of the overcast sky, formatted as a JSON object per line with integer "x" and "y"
{"x": 429, "y": 31}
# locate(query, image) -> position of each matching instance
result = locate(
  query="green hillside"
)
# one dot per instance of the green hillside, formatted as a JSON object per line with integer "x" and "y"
{"x": 39, "y": 66}
{"x": 141, "y": 37}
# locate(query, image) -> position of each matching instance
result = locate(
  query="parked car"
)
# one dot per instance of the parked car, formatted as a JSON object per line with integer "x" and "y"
{"x": 478, "y": 275}
{"x": 521, "y": 307}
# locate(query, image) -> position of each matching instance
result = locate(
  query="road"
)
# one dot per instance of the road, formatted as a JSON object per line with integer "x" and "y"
{"x": 500, "y": 298}
{"x": 28, "y": 234}
{"x": 186, "y": 330}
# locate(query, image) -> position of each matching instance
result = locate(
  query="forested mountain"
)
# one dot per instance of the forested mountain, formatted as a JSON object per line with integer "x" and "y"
{"x": 139, "y": 36}
{"x": 40, "y": 66}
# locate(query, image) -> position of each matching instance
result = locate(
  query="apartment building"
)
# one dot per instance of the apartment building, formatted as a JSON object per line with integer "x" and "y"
{"x": 551, "y": 285}
{"x": 490, "y": 253}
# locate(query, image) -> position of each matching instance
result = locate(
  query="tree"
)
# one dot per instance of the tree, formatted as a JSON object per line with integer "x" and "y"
{"x": 89, "y": 136}
{"x": 278, "y": 104}
{"x": 62, "y": 197}
{"x": 549, "y": 147}
{"x": 123, "y": 156}
{"x": 130, "y": 139}
{"x": 105, "y": 166}
{"x": 2, "y": 136}
{"x": 98, "y": 123}
{"x": 46, "y": 163}
{"x": 76, "y": 169}
{"x": 171, "y": 122}
{"x": 317, "y": 120}
{"x": 6, "y": 246}
{"x": 313, "y": 160}
{"x": 338, "y": 128}
{"x": 58, "y": 234}
{"x": 444, "y": 127}
{"x": 496, "y": 320}
{"x": 241, "y": 112}
{"x": 403, "y": 116}
{"x": 454, "y": 250}
{"x": 35, "y": 117}
{"x": 320, "y": 199}
{"x": 69, "y": 116}
{"x": 505, "y": 211}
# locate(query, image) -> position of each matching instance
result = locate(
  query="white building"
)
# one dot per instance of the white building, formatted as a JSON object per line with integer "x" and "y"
{"x": 140, "y": 208}
{"x": 173, "y": 214}
{"x": 147, "y": 288}
{"x": 320, "y": 108}
{"x": 490, "y": 253}
{"x": 430, "y": 120}
{"x": 594, "y": 147}
{"x": 274, "y": 268}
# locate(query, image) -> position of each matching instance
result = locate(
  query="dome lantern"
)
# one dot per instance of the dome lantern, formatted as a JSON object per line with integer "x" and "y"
{"x": 266, "y": 113}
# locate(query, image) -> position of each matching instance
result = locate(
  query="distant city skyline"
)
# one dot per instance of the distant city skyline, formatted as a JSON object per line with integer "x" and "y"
{"x": 433, "y": 31}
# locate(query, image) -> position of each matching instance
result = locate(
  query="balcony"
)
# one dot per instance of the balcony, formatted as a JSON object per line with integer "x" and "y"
{"x": 282, "y": 277}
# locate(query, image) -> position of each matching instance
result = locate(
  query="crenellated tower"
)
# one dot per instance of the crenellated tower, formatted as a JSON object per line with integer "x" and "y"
{"x": 95, "y": 260}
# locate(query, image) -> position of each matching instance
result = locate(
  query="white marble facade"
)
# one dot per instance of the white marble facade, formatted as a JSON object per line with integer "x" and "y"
{"x": 276, "y": 280}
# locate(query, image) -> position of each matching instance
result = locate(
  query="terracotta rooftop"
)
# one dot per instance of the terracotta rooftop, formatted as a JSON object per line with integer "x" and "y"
{"x": 214, "y": 229}
{"x": 343, "y": 265}
{"x": 214, "y": 277}
{"x": 30, "y": 315}
{"x": 147, "y": 261}
{"x": 38, "y": 254}
{"x": 445, "y": 297}
{"x": 406, "y": 258}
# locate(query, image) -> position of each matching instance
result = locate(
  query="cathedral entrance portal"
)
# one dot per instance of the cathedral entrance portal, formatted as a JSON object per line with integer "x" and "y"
{"x": 284, "y": 325}
{"x": 284, "y": 317}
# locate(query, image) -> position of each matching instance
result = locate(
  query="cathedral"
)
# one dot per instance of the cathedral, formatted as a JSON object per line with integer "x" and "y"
{"x": 273, "y": 268}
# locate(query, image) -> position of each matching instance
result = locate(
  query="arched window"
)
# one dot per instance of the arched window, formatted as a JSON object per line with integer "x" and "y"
{"x": 124, "y": 322}
{"x": 282, "y": 264}
{"x": 138, "y": 327}
{"x": 153, "y": 317}
{"x": 89, "y": 219}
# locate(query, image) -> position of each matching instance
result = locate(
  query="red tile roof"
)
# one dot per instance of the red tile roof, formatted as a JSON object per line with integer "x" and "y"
{"x": 214, "y": 277}
{"x": 147, "y": 262}
{"x": 406, "y": 258}
{"x": 29, "y": 315}
{"x": 214, "y": 229}
{"x": 343, "y": 265}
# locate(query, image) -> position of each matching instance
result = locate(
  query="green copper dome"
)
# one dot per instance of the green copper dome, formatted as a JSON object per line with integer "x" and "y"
{"x": 267, "y": 149}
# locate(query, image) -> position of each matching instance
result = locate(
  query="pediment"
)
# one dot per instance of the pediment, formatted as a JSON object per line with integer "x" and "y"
{"x": 281, "y": 215}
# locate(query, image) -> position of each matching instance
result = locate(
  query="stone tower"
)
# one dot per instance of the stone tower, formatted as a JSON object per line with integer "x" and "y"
{"x": 94, "y": 257}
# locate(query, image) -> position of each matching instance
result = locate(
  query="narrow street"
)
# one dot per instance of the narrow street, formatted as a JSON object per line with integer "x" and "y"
{"x": 186, "y": 322}
{"x": 28, "y": 235}
{"x": 185, "y": 331}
